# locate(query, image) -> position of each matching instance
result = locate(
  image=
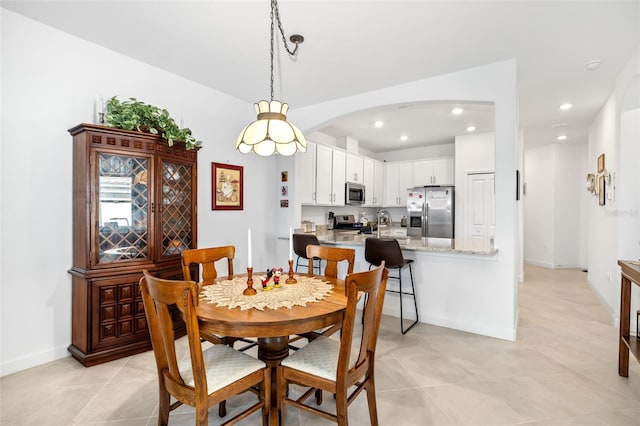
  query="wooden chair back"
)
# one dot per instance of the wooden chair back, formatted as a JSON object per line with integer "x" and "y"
{"x": 372, "y": 285}
{"x": 352, "y": 372}
{"x": 206, "y": 258}
{"x": 332, "y": 257}
{"x": 186, "y": 381}
{"x": 158, "y": 295}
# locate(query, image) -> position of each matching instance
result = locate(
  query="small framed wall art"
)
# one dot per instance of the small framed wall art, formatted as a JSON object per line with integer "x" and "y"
{"x": 227, "y": 187}
{"x": 601, "y": 163}
{"x": 601, "y": 190}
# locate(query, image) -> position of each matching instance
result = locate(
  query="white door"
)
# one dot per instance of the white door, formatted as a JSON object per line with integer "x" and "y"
{"x": 480, "y": 223}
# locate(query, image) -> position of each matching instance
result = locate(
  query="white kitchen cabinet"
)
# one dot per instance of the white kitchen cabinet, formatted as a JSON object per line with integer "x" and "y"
{"x": 398, "y": 178}
{"x": 433, "y": 172}
{"x": 338, "y": 177}
{"x": 306, "y": 174}
{"x": 330, "y": 176}
{"x": 378, "y": 183}
{"x": 355, "y": 171}
{"x": 373, "y": 174}
{"x": 443, "y": 171}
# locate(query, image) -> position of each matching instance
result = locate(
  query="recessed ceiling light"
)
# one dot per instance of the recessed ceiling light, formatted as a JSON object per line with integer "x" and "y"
{"x": 457, "y": 111}
{"x": 404, "y": 138}
{"x": 593, "y": 65}
{"x": 378, "y": 124}
{"x": 562, "y": 137}
{"x": 471, "y": 129}
{"x": 559, "y": 125}
{"x": 566, "y": 106}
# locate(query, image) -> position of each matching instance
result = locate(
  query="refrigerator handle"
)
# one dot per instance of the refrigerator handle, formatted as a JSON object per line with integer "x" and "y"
{"x": 425, "y": 218}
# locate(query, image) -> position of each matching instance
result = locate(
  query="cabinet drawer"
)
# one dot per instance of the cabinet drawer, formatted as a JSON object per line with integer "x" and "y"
{"x": 121, "y": 316}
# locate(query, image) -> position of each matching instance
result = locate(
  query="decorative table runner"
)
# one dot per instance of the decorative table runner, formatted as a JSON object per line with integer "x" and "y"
{"x": 229, "y": 293}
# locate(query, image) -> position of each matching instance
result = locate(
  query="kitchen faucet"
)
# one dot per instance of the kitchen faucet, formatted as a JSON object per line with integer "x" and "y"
{"x": 384, "y": 218}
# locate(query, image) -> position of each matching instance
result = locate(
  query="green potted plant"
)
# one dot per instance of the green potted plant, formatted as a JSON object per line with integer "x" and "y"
{"x": 136, "y": 115}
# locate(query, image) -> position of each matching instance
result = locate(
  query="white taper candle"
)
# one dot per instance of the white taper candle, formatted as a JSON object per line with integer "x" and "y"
{"x": 249, "y": 263}
{"x": 290, "y": 243}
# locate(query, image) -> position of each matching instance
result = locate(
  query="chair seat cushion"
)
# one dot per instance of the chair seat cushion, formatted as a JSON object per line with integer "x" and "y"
{"x": 224, "y": 366}
{"x": 319, "y": 357}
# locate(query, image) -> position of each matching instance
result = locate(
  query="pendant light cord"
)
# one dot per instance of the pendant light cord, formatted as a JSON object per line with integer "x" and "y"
{"x": 275, "y": 17}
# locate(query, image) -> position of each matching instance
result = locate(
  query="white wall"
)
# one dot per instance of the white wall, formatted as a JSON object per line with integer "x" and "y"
{"x": 604, "y": 222}
{"x": 49, "y": 82}
{"x": 473, "y": 154}
{"x": 411, "y": 154}
{"x": 539, "y": 204}
{"x": 490, "y": 83}
{"x": 569, "y": 178}
{"x": 555, "y": 176}
{"x": 627, "y": 182}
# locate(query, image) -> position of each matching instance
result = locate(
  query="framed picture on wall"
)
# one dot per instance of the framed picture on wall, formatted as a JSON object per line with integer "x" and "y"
{"x": 601, "y": 190}
{"x": 601, "y": 163}
{"x": 227, "y": 187}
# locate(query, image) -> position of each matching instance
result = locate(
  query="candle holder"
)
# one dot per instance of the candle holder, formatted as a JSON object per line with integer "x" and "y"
{"x": 250, "y": 291}
{"x": 291, "y": 280}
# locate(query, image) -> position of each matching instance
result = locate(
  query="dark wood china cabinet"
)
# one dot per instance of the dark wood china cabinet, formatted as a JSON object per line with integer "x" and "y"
{"x": 134, "y": 208}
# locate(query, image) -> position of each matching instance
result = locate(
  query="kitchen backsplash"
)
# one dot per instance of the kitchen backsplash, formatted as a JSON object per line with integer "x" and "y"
{"x": 319, "y": 214}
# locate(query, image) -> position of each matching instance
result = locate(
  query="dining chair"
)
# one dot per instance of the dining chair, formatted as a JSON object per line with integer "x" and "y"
{"x": 334, "y": 366}
{"x": 300, "y": 243}
{"x": 377, "y": 250}
{"x": 332, "y": 257}
{"x": 204, "y": 377}
{"x": 206, "y": 259}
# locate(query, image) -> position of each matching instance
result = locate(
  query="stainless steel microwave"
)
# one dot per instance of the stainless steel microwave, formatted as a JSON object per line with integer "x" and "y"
{"x": 354, "y": 193}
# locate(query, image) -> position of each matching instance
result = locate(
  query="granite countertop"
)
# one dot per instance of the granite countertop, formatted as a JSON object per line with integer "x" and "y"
{"x": 445, "y": 245}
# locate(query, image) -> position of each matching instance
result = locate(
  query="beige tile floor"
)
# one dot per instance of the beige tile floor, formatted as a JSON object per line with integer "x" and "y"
{"x": 561, "y": 371}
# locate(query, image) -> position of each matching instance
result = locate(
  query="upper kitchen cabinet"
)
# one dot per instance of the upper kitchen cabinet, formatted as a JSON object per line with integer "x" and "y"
{"x": 433, "y": 172}
{"x": 355, "y": 168}
{"x": 306, "y": 174}
{"x": 398, "y": 178}
{"x": 330, "y": 170}
{"x": 373, "y": 174}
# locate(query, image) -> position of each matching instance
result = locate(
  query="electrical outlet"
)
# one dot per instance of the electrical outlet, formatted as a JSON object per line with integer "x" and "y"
{"x": 609, "y": 276}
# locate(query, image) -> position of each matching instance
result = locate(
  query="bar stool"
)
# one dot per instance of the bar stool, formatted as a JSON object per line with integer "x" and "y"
{"x": 378, "y": 249}
{"x": 300, "y": 243}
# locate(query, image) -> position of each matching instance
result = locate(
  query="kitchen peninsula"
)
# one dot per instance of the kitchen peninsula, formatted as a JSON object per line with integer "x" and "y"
{"x": 454, "y": 282}
{"x": 440, "y": 245}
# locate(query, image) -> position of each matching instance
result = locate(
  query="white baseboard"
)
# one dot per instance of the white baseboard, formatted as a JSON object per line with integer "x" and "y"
{"x": 33, "y": 360}
{"x": 539, "y": 263}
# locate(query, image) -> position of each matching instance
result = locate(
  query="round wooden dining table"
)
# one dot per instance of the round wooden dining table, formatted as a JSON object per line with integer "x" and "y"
{"x": 272, "y": 327}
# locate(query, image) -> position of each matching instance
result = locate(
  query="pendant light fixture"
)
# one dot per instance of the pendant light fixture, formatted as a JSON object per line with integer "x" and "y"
{"x": 271, "y": 133}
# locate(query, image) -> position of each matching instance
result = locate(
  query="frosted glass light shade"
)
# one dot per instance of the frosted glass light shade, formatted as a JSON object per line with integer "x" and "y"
{"x": 271, "y": 132}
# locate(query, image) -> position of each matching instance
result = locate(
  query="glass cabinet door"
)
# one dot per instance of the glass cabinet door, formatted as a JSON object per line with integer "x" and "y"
{"x": 177, "y": 207}
{"x": 123, "y": 208}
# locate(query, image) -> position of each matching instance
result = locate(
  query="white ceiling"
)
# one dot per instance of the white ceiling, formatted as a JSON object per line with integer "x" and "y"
{"x": 356, "y": 46}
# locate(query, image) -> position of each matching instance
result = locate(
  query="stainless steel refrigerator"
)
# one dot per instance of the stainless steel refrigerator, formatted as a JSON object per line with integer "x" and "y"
{"x": 431, "y": 211}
